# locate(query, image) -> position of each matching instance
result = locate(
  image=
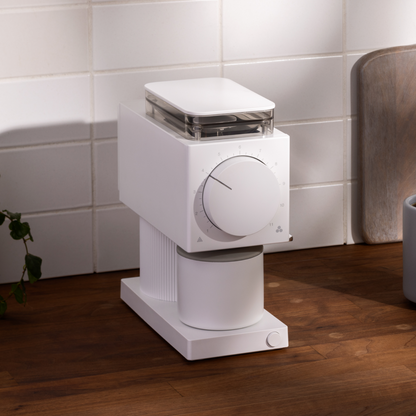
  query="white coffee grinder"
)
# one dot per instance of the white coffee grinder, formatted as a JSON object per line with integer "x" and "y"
{"x": 202, "y": 165}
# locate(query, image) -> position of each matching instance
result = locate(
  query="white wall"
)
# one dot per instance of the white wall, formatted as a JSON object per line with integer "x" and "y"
{"x": 66, "y": 64}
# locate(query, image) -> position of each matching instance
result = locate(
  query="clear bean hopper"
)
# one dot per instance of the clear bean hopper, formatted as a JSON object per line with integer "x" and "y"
{"x": 202, "y": 117}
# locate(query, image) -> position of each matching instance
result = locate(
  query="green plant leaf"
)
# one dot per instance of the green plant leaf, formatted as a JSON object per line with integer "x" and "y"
{"x": 13, "y": 215}
{"x": 33, "y": 266}
{"x": 19, "y": 293}
{"x": 19, "y": 230}
{"x": 3, "y": 306}
{"x": 30, "y": 234}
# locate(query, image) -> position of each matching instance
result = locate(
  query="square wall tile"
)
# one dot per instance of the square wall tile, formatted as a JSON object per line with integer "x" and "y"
{"x": 106, "y": 175}
{"x": 316, "y": 152}
{"x": 380, "y": 23}
{"x": 354, "y": 228}
{"x": 117, "y": 239}
{"x": 300, "y": 88}
{"x": 316, "y": 218}
{"x": 112, "y": 89}
{"x": 271, "y": 28}
{"x": 152, "y": 34}
{"x": 44, "y": 42}
{"x": 63, "y": 241}
{"x": 46, "y": 178}
{"x": 44, "y": 110}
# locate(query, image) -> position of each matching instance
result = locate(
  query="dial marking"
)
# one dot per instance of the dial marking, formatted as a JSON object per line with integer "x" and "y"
{"x": 222, "y": 183}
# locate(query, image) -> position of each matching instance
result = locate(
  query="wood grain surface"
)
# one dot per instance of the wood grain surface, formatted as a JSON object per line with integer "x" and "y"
{"x": 387, "y": 139}
{"x": 77, "y": 349}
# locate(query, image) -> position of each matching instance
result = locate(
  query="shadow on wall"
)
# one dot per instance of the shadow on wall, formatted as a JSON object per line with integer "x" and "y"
{"x": 55, "y": 133}
{"x": 47, "y": 168}
{"x": 65, "y": 185}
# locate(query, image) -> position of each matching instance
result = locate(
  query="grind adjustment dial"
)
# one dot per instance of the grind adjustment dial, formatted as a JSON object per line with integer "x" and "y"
{"x": 241, "y": 196}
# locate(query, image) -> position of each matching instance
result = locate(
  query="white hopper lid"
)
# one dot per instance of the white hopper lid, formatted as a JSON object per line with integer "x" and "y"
{"x": 209, "y": 96}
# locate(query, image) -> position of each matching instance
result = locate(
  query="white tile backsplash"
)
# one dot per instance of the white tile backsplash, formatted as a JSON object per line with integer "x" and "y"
{"x": 301, "y": 88}
{"x": 380, "y": 23}
{"x": 44, "y": 110}
{"x": 117, "y": 239}
{"x": 63, "y": 241}
{"x": 316, "y": 152}
{"x": 272, "y": 28}
{"x": 67, "y": 64}
{"x": 154, "y": 34}
{"x": 43, "y": 42}
{"x": 46, "y": 178}
{"x": 112, "y": 89}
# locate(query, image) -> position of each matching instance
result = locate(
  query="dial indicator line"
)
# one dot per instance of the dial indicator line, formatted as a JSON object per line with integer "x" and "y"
{"x": 222, "y": 183}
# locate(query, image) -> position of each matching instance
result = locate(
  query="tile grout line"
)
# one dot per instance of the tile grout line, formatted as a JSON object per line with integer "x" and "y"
{"x": 316, "y": 185}
{"x": 81, "y": 4}
{"x": 344, "y": 124}
{"x": 64, "y": 143}
{"x": 56, "y": 211}
{"x": 119, "y": 71}
{"x": 221, "y": 37}
{"x": 42, "y": 8}
{"x": 92, "y": 135}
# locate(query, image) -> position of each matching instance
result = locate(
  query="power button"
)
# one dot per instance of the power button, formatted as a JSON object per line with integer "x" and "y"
{"x": 273, "y": 339}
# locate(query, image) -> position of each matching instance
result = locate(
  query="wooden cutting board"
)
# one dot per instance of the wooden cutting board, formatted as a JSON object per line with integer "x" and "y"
{"x": 387, "y": 140}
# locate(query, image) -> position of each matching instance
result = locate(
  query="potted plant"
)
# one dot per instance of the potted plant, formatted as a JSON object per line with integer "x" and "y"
{"x": 20, "y": 231}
